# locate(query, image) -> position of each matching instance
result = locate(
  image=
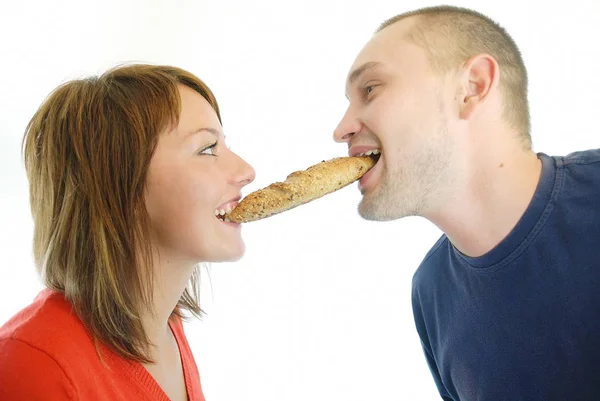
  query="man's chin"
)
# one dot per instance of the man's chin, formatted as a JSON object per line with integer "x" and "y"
{"x": 370, "y": 211}
{"x": 377, "y": 210}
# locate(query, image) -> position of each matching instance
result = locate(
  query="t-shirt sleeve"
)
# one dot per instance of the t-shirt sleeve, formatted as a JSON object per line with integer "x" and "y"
{"x": 29, "y": 374}
{"x": 436, "y": 374}
{"x": 421, "y": 329}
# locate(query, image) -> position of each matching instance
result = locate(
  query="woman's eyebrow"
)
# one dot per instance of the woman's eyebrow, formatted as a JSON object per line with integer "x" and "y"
{"x": 213, "y": 131}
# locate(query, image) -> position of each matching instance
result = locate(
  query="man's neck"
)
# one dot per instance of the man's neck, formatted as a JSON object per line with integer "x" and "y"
{"x": 491, "y": 200}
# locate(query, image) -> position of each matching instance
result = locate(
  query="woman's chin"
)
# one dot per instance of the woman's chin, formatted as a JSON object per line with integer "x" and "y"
{"x": 233, "y": 253}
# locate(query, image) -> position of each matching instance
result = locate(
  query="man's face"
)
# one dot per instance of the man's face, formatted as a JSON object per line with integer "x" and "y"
{"x": 397, "y": 107}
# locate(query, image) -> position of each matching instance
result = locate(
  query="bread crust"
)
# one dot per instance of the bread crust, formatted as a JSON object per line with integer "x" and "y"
{"x": 301, "y": 187}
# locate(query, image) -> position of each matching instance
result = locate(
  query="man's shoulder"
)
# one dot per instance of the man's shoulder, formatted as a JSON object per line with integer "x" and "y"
{"x": 582, "y": 157}
{"x": 433, "y": 261}
{"x": 580, "y": 165}
{"x": 580, "y": 178}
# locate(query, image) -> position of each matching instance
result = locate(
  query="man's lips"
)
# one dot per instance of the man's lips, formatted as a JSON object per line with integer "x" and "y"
{"x": 368, "y": 180}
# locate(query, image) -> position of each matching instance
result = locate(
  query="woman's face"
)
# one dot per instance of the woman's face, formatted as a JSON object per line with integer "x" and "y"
{"x": 192, "y": 176}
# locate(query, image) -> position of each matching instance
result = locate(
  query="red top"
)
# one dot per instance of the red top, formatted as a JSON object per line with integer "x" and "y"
{"x": 47, "y": 354}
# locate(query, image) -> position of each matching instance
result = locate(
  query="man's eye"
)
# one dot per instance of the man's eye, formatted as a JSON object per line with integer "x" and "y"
{"x": 210, "y": 150}
{"x": 368, "y": 89}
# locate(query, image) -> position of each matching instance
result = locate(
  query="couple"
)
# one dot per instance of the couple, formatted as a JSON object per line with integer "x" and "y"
{"x": 127, "y": 171}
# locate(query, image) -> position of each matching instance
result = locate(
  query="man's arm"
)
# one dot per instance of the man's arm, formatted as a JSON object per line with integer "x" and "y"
{"x": 436, "y": 373}
{"x": 422, "y": 331}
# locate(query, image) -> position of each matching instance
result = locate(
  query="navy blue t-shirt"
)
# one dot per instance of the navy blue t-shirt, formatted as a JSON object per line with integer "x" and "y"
{"x": 522, "y": 322}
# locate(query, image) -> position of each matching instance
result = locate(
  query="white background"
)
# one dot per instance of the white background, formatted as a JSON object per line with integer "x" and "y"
{"x": 319, "y": 308}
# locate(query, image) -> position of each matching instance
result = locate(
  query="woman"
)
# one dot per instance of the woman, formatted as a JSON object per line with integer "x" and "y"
{"x": 129, "y": 174}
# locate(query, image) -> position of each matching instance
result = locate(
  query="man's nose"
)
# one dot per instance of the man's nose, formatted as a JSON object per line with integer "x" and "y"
{"x": 346, "y": 128}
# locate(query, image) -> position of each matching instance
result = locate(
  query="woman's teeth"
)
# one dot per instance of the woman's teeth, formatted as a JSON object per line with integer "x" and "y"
{"x": 222, "y": 212}
{"x": 219, "y": 213}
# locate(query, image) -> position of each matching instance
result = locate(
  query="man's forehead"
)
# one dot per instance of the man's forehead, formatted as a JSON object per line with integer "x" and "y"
{"x": 373, "y": 57}
{"x": 367, "y": 58}
{"x": 384, "y": 43}
{"x": 369, "y": 51}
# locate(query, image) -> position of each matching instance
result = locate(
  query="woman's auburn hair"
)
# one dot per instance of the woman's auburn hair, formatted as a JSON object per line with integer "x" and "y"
{"x": 86, "y": 151}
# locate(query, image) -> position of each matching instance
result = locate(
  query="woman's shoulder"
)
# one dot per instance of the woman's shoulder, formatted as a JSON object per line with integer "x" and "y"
{"x": 49, "y": 325}
{"x": 42, "y": 343}
{"x": 49, "y": 314}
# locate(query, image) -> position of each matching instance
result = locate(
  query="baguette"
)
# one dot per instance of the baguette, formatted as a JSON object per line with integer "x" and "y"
{"x": 301, "y": 187}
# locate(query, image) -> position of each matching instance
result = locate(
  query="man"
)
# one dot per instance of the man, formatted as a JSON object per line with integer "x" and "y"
{"x": 507, "y": 302}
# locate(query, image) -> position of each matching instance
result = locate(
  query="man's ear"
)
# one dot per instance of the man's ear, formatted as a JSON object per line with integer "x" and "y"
{"x": 481, "y": 76}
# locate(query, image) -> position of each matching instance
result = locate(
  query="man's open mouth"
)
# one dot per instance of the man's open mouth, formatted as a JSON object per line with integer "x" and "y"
{"x": 374, "y": 154}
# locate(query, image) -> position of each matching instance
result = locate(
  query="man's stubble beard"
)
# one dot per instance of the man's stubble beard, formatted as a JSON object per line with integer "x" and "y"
{"x": 408, "y": 190}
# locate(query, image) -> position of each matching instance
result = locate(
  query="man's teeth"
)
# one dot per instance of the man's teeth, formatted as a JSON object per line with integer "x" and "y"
{"x": 370, "y": 152}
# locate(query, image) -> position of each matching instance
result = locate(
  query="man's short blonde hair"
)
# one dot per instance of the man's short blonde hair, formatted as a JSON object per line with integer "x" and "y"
{"x": 451, "y": 35}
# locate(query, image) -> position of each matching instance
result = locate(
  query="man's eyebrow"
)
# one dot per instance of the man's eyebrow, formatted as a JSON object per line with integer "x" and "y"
{"x": 354, "y": 75}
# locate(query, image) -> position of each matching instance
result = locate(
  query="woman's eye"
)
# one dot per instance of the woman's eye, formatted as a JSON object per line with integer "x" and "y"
{"x": 210, "y": 150}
